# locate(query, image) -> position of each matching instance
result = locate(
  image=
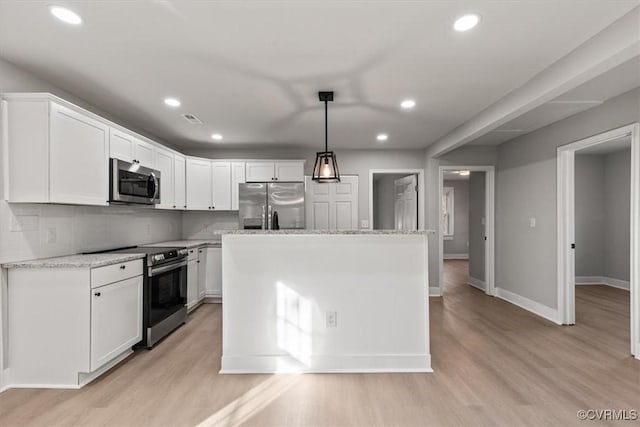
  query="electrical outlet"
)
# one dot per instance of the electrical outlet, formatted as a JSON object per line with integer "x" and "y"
{"x": 52, "y": 235}
{"x": 332, "y": 319}
{"x": 364, "y": 223}
{"x": 532, "y": 222}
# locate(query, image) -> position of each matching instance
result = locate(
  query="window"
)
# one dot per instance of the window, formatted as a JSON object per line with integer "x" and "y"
{"x": 447, "y": 212}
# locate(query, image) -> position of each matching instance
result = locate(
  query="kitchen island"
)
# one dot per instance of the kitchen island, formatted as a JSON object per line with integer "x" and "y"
{"x": 321, "y": 301}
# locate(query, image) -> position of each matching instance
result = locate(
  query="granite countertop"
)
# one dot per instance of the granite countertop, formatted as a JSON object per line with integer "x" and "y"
{"x": 189, "y": 243}
{"x": 341, "y": 232}
{"x": 75, "y": 261}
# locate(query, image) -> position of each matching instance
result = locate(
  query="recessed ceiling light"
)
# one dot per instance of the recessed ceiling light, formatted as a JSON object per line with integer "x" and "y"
{"x": 466, "y": 22}
{"x": 216, "y": 137}
{"x": 407, "y": 104}
{"x": 382, "y": 137}
{"x": 66, "y": 15}
{"x": 172, "y": 102}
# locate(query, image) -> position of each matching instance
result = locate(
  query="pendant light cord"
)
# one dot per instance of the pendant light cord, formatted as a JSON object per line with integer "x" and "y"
{"x": 326, "y": 126}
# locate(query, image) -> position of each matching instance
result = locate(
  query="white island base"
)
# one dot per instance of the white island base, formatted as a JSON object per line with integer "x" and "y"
{"x": 325, "y": 302}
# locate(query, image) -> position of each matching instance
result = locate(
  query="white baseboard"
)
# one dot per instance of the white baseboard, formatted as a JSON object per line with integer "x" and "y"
{"x": 601, "y": 280}
{"x": 212, "y": 300}
{"x": 435, "y": 292}
{"x": 271, "y": 364}
{"x": 529, "y": 305}
{"x": 455, "y": 256}
{"x": 476, "y": 283}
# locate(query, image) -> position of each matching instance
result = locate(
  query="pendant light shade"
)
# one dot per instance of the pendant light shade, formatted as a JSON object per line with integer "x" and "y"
{"x": 326, "y": 166}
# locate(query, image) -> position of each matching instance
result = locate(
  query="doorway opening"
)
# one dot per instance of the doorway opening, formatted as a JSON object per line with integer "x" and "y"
{"x": 598, "y": 230}
{"x": 396, "y": 199}
{"x": 466, "y": 244}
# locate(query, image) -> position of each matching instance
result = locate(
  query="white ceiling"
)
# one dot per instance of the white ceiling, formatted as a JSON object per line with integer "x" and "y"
{"x": 251, "y": 70}
{"x": 619, "y": 80}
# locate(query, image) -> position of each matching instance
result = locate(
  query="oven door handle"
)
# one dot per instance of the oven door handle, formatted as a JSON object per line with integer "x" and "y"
{"x": 163, "y": 269}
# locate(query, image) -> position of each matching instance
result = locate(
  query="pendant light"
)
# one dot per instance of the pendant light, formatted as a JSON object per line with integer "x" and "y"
{"x": 326, "y": 167}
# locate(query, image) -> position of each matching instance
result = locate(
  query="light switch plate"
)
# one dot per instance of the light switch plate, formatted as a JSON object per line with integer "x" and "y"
{"x": 532, "y": 222}
{"x": 364, "y": 223}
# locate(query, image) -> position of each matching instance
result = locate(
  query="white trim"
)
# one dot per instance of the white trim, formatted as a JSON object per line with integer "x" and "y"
{"x": 566, "y": 233}
{"x": 476, "y": 283}
{"x": 421, "y": 185}
{"x": 602, "y": 280}
{"x": 435, "y": 291}
{"x": 377, "y": 363}
{"x": 529, "y": 305}
{"x": 489, "y": 259}
{"x": 455, "y": 256}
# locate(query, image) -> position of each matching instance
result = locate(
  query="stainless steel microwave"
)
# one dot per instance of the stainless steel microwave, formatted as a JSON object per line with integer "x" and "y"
{"x": 132, "y": 183}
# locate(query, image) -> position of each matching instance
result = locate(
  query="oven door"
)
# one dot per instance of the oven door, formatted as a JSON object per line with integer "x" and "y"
{"x": 167, "y": 290}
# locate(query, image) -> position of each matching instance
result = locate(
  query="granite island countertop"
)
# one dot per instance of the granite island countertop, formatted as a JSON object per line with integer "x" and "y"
{"x": 324, "y": 232}
{"x": 189, "y": 243}
{"x": 74, "y": 261}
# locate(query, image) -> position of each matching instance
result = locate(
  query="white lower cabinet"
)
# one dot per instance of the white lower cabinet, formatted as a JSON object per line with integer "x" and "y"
{"x": 116, "y": 319}
{"x": 192, "y": 279}
{"x": 66, "y": 326}
{"x": 214, "y": 273}
{"x": 202, "y": 272}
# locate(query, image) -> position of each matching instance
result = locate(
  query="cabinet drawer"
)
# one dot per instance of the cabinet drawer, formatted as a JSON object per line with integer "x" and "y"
{"x": 114, "y": 273}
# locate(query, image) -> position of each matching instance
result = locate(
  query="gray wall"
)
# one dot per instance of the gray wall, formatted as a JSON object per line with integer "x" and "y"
{"x": 589, "y": 214}
{"x": 460, "y": 242}
{"x": 617, "y": 202}
{"x": 384, "y": 201}
{"x": 477, "y": 199}
{"x": 526, "y": 261}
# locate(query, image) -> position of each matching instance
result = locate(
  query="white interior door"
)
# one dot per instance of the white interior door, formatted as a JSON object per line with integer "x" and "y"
{"x": 406, "y": 203}
{"x": 332, "y": 206}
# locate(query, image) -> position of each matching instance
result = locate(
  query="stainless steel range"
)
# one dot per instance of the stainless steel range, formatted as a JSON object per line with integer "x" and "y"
{"x": 164, "y": 291}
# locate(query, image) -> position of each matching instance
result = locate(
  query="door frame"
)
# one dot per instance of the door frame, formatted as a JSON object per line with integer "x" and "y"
{"x": 421, "y": 185}
{"x": 489, "y": 215}
{"x": 566, "y": 227}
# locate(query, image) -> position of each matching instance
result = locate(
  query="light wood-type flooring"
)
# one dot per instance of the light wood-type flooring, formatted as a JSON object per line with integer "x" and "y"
{"x": 495, "y": 365}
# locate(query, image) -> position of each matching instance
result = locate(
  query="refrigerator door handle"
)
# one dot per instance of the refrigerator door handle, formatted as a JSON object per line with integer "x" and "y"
{"x": 269, "y": 219}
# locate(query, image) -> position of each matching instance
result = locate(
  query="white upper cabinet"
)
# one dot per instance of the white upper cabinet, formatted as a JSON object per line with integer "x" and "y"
{"x": 165, "y": 165}
{"x": 55, "y": 154}
{"x": 237, "y": 178}
{"x": 199, "y": 181}
{"x": 221, "y": 185}
{"x": 120, "y": 145}
{"x": 289, "y": 171}
{"x": 179, "y": 181}
{"x": 281, "y": 170}
{"x": 143, "y": 153}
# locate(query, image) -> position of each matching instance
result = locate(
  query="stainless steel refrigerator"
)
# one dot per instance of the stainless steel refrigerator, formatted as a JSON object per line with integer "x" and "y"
{"x": 271, "y": 205}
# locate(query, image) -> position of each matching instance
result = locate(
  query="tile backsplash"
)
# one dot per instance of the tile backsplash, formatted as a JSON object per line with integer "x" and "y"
{"x": 200, "y": 225}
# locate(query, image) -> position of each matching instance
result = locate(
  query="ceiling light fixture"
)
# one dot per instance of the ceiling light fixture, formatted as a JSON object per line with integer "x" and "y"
{"x": 216, "y": 137}
{"x": 326, "y": 166}
{"x": 408, "y": 104}
{"x": 172, "y": 102}
{"x": 382, "y": 137}
{"x": 65, "y": 15}
{"x": 466, "y": 22}
{"x": 464, "y": 173}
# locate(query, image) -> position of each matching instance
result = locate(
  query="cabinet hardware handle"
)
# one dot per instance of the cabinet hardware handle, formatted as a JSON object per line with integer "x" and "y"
{"x": 174, "y": 206}
{"x": 122, "y": 267}
{"x": 191, "y": 251}
{"x": 213, "y": 207}
{"x": 98, "y": 294}
{"x": 198, "y": 261}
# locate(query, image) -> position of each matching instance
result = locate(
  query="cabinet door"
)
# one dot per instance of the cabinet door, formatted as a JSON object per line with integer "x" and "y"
{"x": 198, "y": 184}
{"x": 116, "y": 319}
{"x": 143, "y": 153}
{"x": 214, "y": 272}
{"x": 78, "y": 158}
{"x": 221, "y": 185}
{"x": 120, "y": 145}
{"x": 237, "y": 178}
{"x": 289, "y": 171}
{"x": 192, "y": 284}
{"x": 260, "y": 171}
{"x": 202, "y": 272}
{"x": 165, "y": 164}
{"x": 179, "y": 180}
